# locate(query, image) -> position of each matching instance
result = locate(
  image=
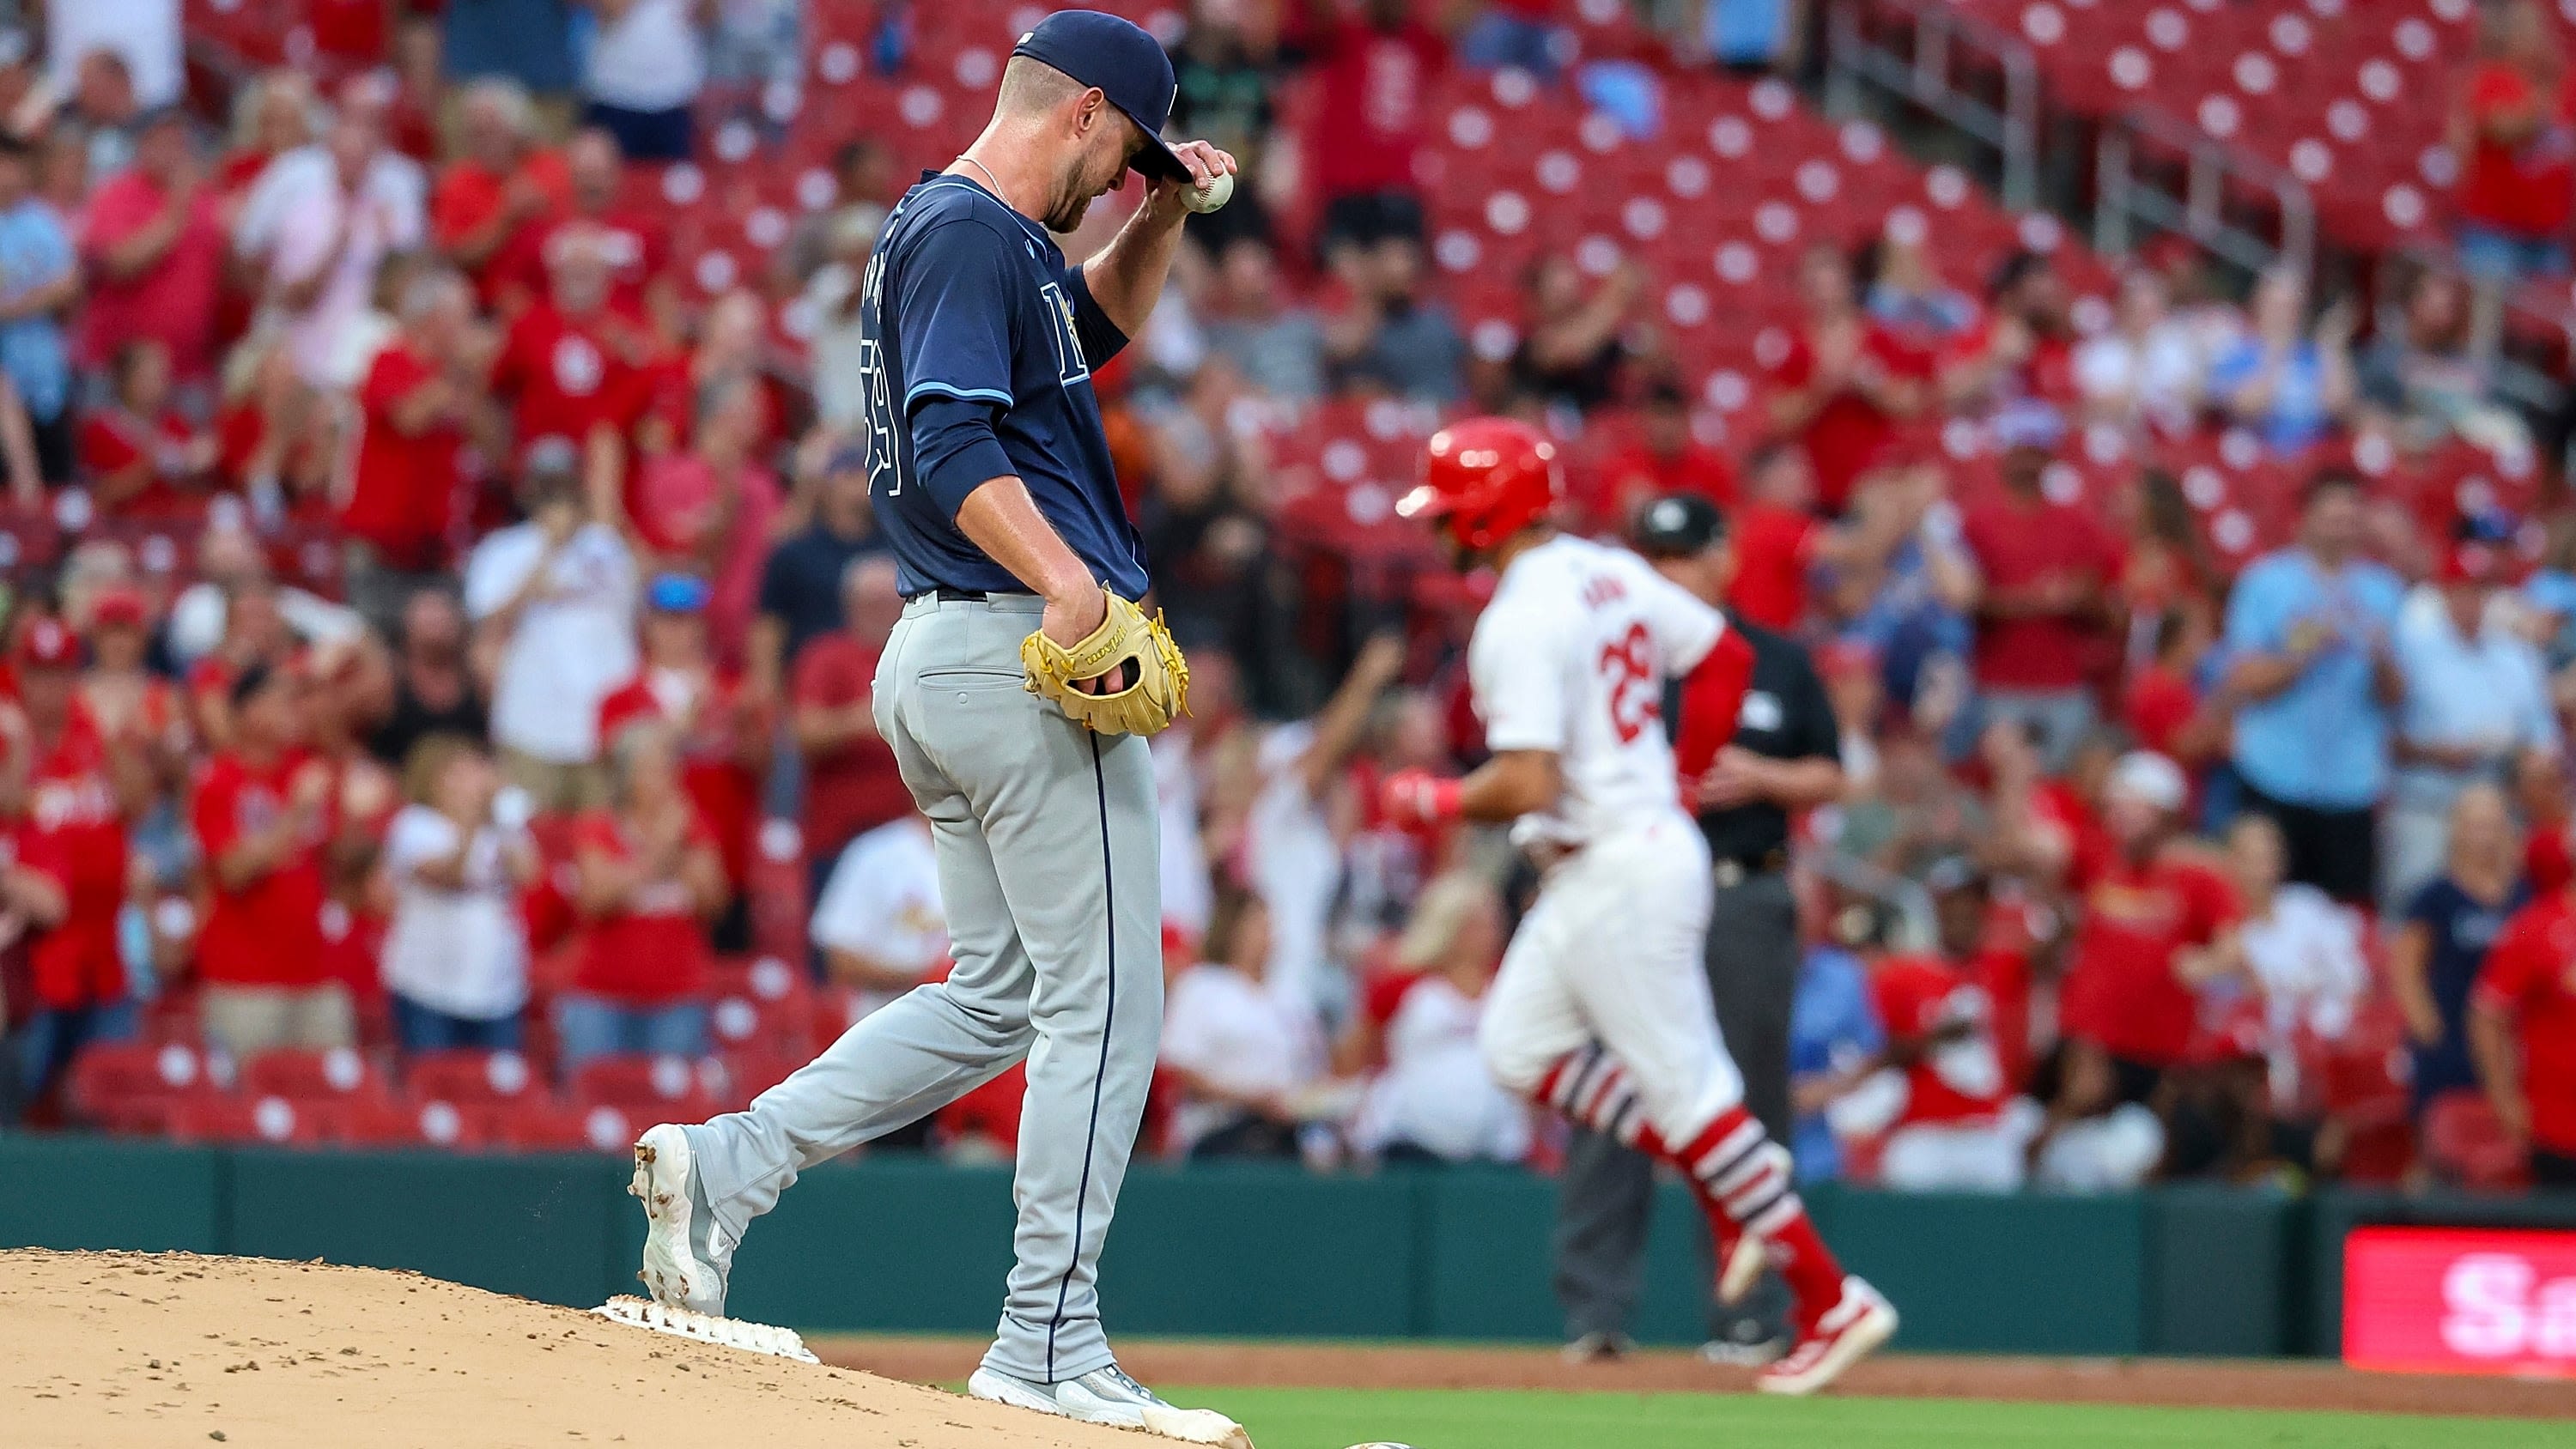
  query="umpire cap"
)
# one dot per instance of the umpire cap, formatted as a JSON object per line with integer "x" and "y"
{"x": 1678, "y": 525}
{"x": 1127, "y": 65}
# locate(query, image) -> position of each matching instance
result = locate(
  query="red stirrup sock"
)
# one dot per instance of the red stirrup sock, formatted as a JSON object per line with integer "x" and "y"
{"x": 1591, "y": 1089}
{"x": 1744, "y": 1177}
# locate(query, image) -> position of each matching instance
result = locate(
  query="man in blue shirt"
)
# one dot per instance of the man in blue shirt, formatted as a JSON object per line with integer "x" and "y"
{"x": 993, "y": 487}
{"x": 39, "y": 278}
{"x": 2315, "y": 679}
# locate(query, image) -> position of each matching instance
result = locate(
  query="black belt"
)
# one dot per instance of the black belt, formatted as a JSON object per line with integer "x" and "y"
{"x": 948, "y": 595}
{"x": 1736, "y": 869}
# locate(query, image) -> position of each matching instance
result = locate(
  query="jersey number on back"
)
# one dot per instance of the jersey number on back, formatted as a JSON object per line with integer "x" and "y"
{"x": 1628, "y": 667}
{"x": 885, "y": 474}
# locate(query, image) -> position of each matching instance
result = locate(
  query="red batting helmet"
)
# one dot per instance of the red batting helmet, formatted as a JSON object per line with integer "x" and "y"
{"x": 1487, "y": 479}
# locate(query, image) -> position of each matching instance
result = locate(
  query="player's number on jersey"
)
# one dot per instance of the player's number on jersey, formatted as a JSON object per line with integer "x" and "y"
{"x": 885, "y": 474}
{"x": 1628, "y": 667}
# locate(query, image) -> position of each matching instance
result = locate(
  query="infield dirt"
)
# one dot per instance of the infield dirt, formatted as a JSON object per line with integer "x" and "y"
{"x": 150, "y": 1351}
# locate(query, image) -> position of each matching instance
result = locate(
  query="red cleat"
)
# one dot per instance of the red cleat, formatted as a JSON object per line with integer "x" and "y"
{"x": 1841, "y": 1336}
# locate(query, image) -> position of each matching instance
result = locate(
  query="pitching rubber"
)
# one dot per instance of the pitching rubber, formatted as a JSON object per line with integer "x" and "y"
{"x": 705, "y": 1328}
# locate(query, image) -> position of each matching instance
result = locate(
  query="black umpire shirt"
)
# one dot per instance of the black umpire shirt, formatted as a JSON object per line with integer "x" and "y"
{"x": 1786, "y": 716}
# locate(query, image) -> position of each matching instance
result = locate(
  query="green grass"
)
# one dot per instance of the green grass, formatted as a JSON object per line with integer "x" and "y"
{"x": 1335, "y": 1418}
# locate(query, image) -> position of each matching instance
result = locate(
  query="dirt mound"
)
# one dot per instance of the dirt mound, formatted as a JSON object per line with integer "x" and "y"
{"x": 129, "y": 1350}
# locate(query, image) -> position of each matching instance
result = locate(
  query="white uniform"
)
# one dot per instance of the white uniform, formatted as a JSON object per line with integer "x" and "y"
{"x": 1571, "y": 657}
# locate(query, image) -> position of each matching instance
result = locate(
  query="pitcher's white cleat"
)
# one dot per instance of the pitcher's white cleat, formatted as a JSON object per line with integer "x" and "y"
{"x": 685, "y": 1259}
{"x": 1109, "y": 1396}
{"x": 1858, "y": 1322}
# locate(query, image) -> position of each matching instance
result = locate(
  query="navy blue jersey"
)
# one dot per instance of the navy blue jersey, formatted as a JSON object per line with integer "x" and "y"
{"x": 978, "y": 344}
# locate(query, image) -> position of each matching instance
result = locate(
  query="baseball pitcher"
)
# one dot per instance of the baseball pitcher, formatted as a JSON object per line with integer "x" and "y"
{"x": 1017, "y": 694}
{"x": 1601, "y": 1010}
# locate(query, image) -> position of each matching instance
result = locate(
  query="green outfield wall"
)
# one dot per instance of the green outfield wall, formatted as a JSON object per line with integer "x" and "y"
{"x": 900, "y": 1245}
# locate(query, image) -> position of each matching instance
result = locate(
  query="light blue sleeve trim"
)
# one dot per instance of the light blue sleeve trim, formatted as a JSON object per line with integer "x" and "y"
{"x": 963, "y": 394}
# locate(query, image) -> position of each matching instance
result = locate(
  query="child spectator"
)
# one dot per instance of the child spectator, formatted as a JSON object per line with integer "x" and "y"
{"x": 458, "y": 856}
{"x": 648, "y": 876}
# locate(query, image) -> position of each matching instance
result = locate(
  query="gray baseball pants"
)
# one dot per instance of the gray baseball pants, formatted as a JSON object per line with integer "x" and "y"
{"x": 1048, "y": 866}
{"x": 1606, "y": 1193}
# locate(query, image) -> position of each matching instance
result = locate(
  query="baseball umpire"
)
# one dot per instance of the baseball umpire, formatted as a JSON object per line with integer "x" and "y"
{"x": 1786, "y": 756}
{"x": 1017, "y": 693}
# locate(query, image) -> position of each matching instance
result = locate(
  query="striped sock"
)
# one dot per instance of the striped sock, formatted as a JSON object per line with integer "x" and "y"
{"x": 1591, "y": 1089}
{"x": 1744, "y": 1175}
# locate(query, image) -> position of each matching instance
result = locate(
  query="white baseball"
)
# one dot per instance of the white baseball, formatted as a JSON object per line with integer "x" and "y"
{"x": 1216, "y": 191}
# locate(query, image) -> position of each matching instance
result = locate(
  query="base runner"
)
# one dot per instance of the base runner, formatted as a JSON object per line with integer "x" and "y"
{"x": 1601, "y": 1010}
{"x": 1016, "y": 693}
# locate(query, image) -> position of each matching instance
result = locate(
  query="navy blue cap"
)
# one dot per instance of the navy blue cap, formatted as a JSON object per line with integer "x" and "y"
{"x": 1126, "y": 64}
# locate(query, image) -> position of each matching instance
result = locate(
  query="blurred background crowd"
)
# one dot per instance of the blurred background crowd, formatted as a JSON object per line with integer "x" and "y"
{"x": 444, "y": 593}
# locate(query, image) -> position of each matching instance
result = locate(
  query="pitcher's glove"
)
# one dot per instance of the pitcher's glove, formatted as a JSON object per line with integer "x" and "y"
{"x": 1141, "y": 679}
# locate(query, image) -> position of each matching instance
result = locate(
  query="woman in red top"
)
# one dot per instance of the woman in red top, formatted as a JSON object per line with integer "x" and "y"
{"x": 2514, "y": 131}
{"x": 648, "y": 878}
{"x": 140, "y": 456}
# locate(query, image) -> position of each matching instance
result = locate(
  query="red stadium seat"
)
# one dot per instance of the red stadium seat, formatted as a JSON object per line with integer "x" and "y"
{"x": 135, "y": 1086}
{"x": 2465, "y": 1143}
{"x": 663, "y": 1086}
{"x": 312, "y": 1076}
{"x": 472, "y": 1078}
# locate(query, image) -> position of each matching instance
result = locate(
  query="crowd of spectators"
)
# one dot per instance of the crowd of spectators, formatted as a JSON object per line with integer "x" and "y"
{"x": 2145, "y": 862}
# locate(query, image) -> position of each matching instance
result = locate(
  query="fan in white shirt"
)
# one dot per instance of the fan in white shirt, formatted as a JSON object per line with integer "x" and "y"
{"x": 880, "y": 923}
{"x": 1435, "y": 1099}
{"x": 556, "y": 596}
{"x": 1239, "y": 1052}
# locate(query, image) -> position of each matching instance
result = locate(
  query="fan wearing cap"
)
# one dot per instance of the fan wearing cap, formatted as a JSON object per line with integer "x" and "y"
{"x": 1948, "y": 1013}
{"x": 2477, "y": 696}
{"x": 993, "y": 483}
{"x": 70, "y": 796}
{"x": 722, "y": 731}
{"x": 2154, "y": 918}
{"x": 264, "y": 813}
{"x": 130, "y": 704}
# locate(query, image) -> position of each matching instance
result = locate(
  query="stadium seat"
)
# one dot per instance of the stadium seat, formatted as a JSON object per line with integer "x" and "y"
{"x": 472, "y": 1078}
{"x": 136, "y": 1086}
{"x": 339, "y": 1073}
{"x": 2465, "y": 1144}
{"x": 662, "y": 1086}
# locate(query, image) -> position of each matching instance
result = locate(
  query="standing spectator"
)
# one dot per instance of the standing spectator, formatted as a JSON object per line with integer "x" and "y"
{"x": 647, "y": 876}
{"x": 713, "y": 510}
{"x": 2143, "y": 370}
{"x": 2044, "y": 575}
{"x": 852, "y": 784}
{"x": 1393, "y": 338}
{"x": 648, "y": 61}
{"x": 458, "y": 855}
{"x": 39, "y": 280}
{"x": 501, "y": 185}
{"x": 1663, "y": 457}
{"x": 1776, "y": 534}
{"x": 434, "y": 688}
{"x": 2314, "y": 680}
{"x": 322, "y": 226}
{"x": 1844, "y": 381}
{"x": 1272, "y": 339}
{"x": 2290, "y": 384}
{"x": 634, "y": 240}
{"x": 71, "y": 794}
{"x": 879, "y": 921}
{"x": 722, "y": 732}
{"x": 2477, "y": 697}
{"x": 141, "y": 36}
{"x": 153, "y": 242}
{"x": 1373, "y": 72}
{"x": 407, "y": 481}
{"x": 2024, "y": 353}
{"x": 2449, "y": 926}
{"x": 838, "y": 348}
{"x": 1225, "y": 69}
{"x": 2513, "y": 131}
{"x": 803, "y": 585}
{"x": 2522, "y": 1034}
{"x": 1784, "y": 758}
{"x": 2154, "y": 920}
{"x": 2298, "y": 958}
{"x": 264, "y": 817}
{"x": 1573, "y": 348}
{"x": 569, "y": 366}
{"x": 132, "y": 707}
{"x": 553, "y": 601}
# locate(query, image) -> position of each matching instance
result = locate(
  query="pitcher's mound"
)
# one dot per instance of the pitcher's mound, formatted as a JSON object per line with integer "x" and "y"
{"x": 153, "y": 1350}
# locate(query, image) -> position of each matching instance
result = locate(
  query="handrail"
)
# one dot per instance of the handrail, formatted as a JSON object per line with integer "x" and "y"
{"x": 2199, "y": 212}
{"x": 1923, "y": 77}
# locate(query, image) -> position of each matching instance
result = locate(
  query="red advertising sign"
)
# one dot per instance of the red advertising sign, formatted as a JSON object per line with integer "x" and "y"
{"x": 2460, "y": 1301}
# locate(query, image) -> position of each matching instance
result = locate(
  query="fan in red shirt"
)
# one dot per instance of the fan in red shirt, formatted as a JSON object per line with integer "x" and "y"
{"x": 2045, "y": 571}
{"x": 73, "y": 796}
{"x": 2514, "y": 132}
{"x": 712, "y": 510}
{"x": 2024, "y": 351}
{"x": 723, "y": 732}
{"x": 264, "y": 818}
{"x": 132, "y": 707}
{"x": 2522, "y": 1031}
{"x": 852, "y": 783}
{"x": 1946, "y": 1016}
{"x": 504, "y": 184}
{"x": 141, "y": 457}
{"x": 636, "y": 241}
{"x": 2152, "y": 919}
{"x": 1663, "y": 457}
{"x": 1775, "y": 538}
{"x": 1372, "y": 71}
{"x": 407, "y": 483}
{"x": 647, "y": 878}
{"x": 152, "y": 242}
{"x": 569, "y": 365}
{"x": 1844, "y": 381}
